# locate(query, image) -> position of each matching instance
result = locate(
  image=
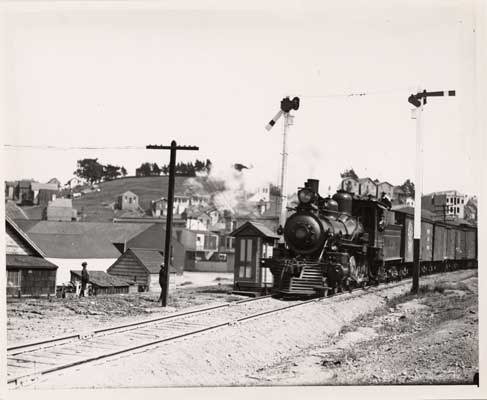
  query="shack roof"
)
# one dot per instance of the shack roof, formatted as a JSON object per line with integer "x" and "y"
{"x": 255, "y": 228}
{"x": 103, "y": 280}
{"x": 150, "y": 259}
{"x": 17, "y": 261}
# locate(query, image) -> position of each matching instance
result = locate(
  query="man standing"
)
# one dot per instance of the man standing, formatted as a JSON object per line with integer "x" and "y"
{"x": 85, "y": 278}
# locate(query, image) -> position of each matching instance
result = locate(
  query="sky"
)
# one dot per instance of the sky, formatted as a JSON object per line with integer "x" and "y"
{"x": 212, "y": 74}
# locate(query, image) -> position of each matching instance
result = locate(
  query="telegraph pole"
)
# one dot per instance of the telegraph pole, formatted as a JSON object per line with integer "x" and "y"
{"x": 419, "y": 101}
{"x": 170, "y": 203}
{"x": 286, "y": 106}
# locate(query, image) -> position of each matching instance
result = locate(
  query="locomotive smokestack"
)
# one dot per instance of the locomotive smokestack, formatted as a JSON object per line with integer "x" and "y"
{"x": 313, "y": 184}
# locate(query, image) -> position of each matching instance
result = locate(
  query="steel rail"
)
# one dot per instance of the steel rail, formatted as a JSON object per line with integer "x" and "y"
{"x": 342, "y": 296}
{"x": 32, "y": 346}
{"x": 334, "y": 297}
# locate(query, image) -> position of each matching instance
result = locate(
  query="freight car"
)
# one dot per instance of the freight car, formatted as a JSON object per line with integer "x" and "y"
{"x": 348, "y": 241}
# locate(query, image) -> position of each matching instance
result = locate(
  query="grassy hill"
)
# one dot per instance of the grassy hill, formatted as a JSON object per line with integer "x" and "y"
{"x": 97, "y": 206}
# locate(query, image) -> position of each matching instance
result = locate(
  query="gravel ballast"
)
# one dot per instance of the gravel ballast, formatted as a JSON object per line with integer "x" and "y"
{"x": 234, "y": 355}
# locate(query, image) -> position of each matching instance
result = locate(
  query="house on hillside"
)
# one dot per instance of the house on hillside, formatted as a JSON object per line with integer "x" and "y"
{"x": 60, "y": 210}
{"x": 74, "y": 182}
{"x": 399, "y": 196}
{"x": 68, "y": 244}
{"x": 128, "y": 201}
{"x": 44, "y": 192}
{"x": 351, "y": 185}
{"x": 101, "y": 283}
{"x": 385, "y": 189}
{"x": 10, "y": 190}
{"x": 367, "y": 187}
{"x": 24, "y": 193}
{"x": 28, "y": 271}
{"x": 141, "y": 266}
{"x": 196, "y": 219}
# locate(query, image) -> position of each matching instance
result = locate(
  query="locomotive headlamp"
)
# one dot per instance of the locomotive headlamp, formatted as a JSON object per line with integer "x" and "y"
{"x": 305, "y": 196}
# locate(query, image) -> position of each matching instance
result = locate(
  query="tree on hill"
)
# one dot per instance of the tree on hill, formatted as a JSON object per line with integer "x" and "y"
{"x": 123, "y": 171}
{"x": 408, "y": 188}
{"x": 188, "y": 168}
{"x": 156, "y": 170}
{"x": 349, "y": 173}
{"x": 89, "y": 169}
{"x": 144, "y": 170}
{"x": 111, "y": 172}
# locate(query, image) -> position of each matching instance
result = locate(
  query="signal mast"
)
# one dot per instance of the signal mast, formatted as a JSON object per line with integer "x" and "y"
{"x": 286, "y": 106}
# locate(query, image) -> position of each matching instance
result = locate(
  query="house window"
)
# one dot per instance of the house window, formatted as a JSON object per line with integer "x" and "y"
{"x": 210, "y": 242}
{"x": 451, "y": 209}
{"x": 230, "y": 243}
{"x": 130, "y": 200}
{"x": 458, "y": 210}
{"x": 245, "y": 270}
{"x": 13, "y": 279}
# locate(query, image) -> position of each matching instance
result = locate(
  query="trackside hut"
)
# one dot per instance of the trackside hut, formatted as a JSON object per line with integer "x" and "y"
{"x": 28, "y": 272}
{"x": 141, "y": 266}
{"x": 253, "y": 242}
{"x": 103, "y": 283}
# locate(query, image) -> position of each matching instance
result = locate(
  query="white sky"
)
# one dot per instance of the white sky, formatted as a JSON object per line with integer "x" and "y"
{"x": 212, "y": 74}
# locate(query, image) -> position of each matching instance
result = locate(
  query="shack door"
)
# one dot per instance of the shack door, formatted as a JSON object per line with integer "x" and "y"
{"x": 246, "y": 260}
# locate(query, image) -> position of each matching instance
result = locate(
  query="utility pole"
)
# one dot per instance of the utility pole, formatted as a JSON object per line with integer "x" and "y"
{"x": 170, "y": 203}
{"x": 286, "y": 106}
{"x": 419, "y": 100}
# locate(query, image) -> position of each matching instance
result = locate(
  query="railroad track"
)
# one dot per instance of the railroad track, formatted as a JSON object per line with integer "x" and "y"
{"x": 28, "y": 362}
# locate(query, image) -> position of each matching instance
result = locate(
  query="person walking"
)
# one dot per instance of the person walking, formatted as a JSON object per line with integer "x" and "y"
{"x": 85, "y": 278}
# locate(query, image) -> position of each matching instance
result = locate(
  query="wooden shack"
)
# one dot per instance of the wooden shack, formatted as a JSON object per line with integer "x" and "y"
{"x": 102, "y": 283}
{"x": 28, "y": 272}
{"x": 141, "y": 266}
{"x": 254, "y": 242}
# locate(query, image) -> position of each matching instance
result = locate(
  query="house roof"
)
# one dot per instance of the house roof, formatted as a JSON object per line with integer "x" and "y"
{"x": 150, "y": 259}
{"x": 361, "y": 180}
{"x": 80, "y": 239}
{"x": 44, "y": 186}
{"x": 103, "y": 280}
{"x": 74, "y": 246}
{"x": 14, "y": 211}
{"x": 385, "y": 183}
{"x": 259, "y": 228}
{"x": 398, "y": 189}
{"x": 28, "y": 262}
{"x": 128, "y": 192}
{"x": 115, "y": 233}
{"x": 410, "y": 210}
{"x": 24, "y": 236}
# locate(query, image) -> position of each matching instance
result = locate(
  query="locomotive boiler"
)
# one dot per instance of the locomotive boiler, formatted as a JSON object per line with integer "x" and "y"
{"x": 325, "y": 245}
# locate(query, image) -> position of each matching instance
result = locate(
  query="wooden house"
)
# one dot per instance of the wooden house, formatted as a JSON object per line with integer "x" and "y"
{"x": 128, "y": 201}
{"x": 141, "y": 266}
{"x": 101, "y": 283}
{"x": 28, "y": 272}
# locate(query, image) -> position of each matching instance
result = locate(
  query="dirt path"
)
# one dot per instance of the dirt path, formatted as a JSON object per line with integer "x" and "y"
{"x": 431, "y": 338}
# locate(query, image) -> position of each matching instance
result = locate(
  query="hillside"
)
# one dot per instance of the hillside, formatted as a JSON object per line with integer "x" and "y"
{"x": 97, "y": 206}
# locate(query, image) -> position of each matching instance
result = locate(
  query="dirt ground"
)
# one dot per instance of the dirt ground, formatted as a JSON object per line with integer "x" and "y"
{"x": 431, "y": 338}
{"x": 385, "y": 337}
{"x": 32, "y": 319}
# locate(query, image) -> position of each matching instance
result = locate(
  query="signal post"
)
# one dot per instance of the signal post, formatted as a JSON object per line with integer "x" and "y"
{"x": 418, "y": 100}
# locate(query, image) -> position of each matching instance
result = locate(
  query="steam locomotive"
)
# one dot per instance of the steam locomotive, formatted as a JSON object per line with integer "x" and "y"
{"x": 346, "y": 241}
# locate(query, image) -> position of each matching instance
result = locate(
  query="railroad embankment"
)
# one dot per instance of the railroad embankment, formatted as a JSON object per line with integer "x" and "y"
{"x": 375, "y": 337}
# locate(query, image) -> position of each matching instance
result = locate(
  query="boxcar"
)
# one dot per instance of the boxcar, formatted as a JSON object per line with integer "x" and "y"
{"x": 408, "y": 239}
{"x": 460, "y": 247}
{"x": 471, "y": 244}
{"x": 451, "y": 243}
{"x": 440, "y": 243}
{"x": 426, "y": 250}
